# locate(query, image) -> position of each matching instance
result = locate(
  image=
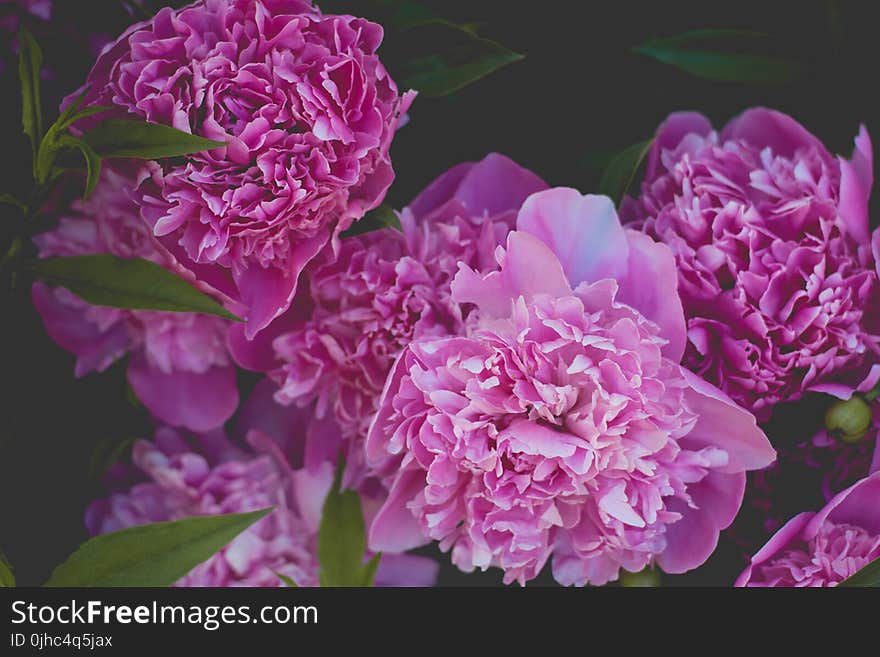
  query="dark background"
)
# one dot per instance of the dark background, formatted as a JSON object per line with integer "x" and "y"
{"x": 578, "y": 97}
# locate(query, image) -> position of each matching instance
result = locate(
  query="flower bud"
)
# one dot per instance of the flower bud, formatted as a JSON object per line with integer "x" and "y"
{"x": 849, "y": 419}
{"x": 647, "y": 578}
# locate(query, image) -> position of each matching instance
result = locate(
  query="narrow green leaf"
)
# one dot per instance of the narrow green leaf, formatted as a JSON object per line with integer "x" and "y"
{"x": 721, "y": 55}
{"x": 287, "y": 580}
{"x": 151, "y": 555}
{"x": 65, "y": 122}
{"x": 74, "y": 106}
{"x": 9, "y": 199}
{"x": 149, "y": 141}
{"x": 622, "y": 169}
{"x": 370, "y": 569}
{"x": 867, "y": 577}
{"x": 7, "y": 579}
{"x": 93, "y": 161}
{"x": 138, "y": 284}
{"x": 376, "y": 219}
{"x": 30, "y": 61}
{"x": 443, "y": 57}
{"x": 341, "y": 536}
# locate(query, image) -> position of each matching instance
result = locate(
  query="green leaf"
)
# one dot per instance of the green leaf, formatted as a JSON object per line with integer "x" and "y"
{"x": 9, "y": 199}
{"x": 342, "y": 538}
{"x": 621, "y": 170}
{"x": 30, "y": 60}
{"x": 867, "y": 577}
{"x": 148, "y": 141}
{"x": 151, "y": 555}
{"x": 93, "y": 161}
{"x": 370, "y": 569}
{"x": 376, "y": 219}
{"x": 443, "y": 57}
{"x": 721, "y": 55}
{"x": 138, "y": 284}
{"x": 57, "y": 138}
{"x": 7, "y": 579}
{"x": 287, "y": 580}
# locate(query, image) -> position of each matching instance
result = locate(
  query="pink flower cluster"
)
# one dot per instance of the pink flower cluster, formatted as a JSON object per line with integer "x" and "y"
{"x": 307, "y": 112}
{"x": 560, "y": 424}
{"x": 515, "y": 375}
{"x": 179, "y": 475}
{"x": 771, "y": 239}
{"x": 179, "y": 364}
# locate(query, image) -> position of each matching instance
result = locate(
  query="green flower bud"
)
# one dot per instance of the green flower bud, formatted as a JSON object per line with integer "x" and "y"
{"x": 647, "y": 578}
{"x": 849, "y": 420}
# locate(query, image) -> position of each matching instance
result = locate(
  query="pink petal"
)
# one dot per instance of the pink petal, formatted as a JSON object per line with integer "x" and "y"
{"x": 269, "y": 292}
{"x": 763, "y": 127}
{"x": 670, "y": 133}
{"x": 724, "y": 424}
{"x": 583, "y": 231}
{"x": 395, "y": 528}
{"x": 197, "y": 401}
{"x": 856, "y": 180}
{"x": 529, "y": 268}
{"x": 495, "y": 184}
{"x": 858, "y": 505}
{"x": 651, "y": 287}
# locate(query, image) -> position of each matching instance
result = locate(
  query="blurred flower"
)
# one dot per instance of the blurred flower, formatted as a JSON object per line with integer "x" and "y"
{"x": 559, "y": 423}
{"x": 308, "y": 113}
{"x": 179, "y": 367}
{"x": 382, "y": 291}
{"x": 771, "y": 239}
{"x": 178, "y": 476}
{"x": 824, "y": 548}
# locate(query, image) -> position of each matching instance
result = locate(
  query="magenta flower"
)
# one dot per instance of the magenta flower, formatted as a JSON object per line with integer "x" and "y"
{"x": 382, "y": 291}
{"x": 824, "y": 548}
{"x": 308, "y": 113}
{"x": 178, "y": 476}
{"x": 179, "y": 367}
{"x": 560, "y": 423}
{"x": 771, "y": 239}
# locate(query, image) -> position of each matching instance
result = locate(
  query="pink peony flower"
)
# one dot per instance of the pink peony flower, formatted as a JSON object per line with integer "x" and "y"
{"x": 771, "y": 239}
{"x": 824, "y": 548}
{"x": 308, "y": 113}
{"x": 179, "y": 366}
{"x": 560, "y": 423}
{"x": 179, "y": 476}
{"x": 382, "y": 291}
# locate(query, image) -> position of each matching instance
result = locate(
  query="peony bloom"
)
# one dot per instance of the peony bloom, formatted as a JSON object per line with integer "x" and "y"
{"x": 771, "y": 239}
{"x": 824, "y": 548}
{"x": 308, "y": 113}
{"x": 178, "y": 476}
{"x": 560, "y": 423}
{"x": 179, "y": 367}
{"x": 384, "y": 290}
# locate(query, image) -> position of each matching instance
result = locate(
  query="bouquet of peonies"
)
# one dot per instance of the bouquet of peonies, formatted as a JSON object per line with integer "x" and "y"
{"x": 530, "y": 377}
